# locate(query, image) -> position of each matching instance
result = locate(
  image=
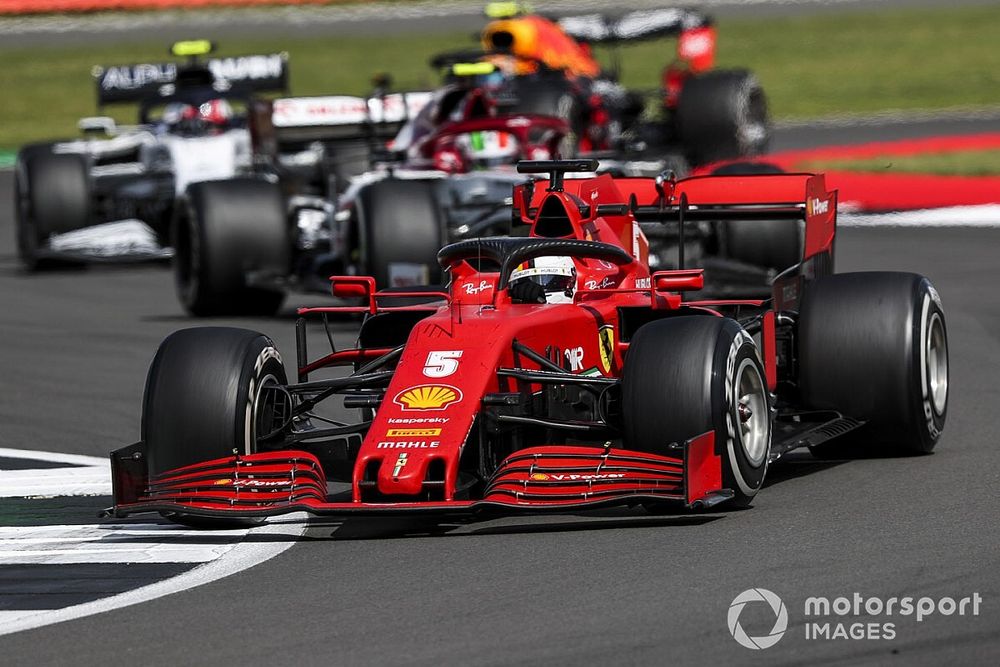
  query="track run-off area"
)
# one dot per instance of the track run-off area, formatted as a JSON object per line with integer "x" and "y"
{"x": 613, "y": 586}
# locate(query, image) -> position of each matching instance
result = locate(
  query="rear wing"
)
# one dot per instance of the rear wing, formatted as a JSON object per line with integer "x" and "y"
{"x": 241, "y": 74}
{"x": 755, "y": 197}
{"x": 345, "y": 116}
{"x": 802, "y": 197}
{"x": 633, "y": 26}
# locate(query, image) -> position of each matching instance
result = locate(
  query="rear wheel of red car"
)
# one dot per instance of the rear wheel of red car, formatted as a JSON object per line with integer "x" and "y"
{"x": 685, "y": 376}
{"x": 773, "y": 244}
{"x": 873, "y": 346}
{"x": 203, "y": 390}
{"x": 225, "y": 232}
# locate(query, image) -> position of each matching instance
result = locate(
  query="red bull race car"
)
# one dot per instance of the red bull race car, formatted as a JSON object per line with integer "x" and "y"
{"x": 554, "y": 373}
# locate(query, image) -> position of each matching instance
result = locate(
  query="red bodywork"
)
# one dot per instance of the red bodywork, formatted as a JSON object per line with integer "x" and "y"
{"x": 452, "y": 368}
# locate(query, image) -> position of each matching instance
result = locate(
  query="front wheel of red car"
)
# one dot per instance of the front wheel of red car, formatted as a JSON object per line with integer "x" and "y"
{"x": 203, "y": 391}
{"x": 685, "y": 376}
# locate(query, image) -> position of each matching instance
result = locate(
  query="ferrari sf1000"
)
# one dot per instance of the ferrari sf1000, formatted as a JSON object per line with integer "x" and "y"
{"x": 554, "y": 373}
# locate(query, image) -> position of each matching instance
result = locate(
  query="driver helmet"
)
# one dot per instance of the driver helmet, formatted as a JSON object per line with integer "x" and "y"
{"x": 556, "y": 276}
{"x": 215, "y": 113}
{"x": 175, "y": 113}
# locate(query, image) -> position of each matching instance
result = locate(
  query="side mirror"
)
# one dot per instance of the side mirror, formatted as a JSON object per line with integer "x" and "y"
{"x": 98, "y": 125}
{"x": 684, "y": 280}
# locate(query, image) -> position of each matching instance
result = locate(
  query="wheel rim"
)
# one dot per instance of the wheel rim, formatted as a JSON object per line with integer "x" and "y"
{"x": 751, "y": 413}
{"x": 753, "y": 130}
{"x": 271, "y": 410}
{"x": 937, "y": 364}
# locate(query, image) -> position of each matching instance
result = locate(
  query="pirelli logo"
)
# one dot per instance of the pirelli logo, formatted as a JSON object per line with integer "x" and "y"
{"x": 412, "y": 432}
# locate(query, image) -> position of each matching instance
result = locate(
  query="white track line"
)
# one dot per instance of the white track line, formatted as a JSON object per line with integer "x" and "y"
{"x": 91, "y": 475}
{"x": 53, "y": 457}
{"x": 113, "y": 543}
{"x": 242, "y": 556}
{"x": 216, "y": 553}
{"x": 52, "y": 482}
{"x": 987, "y": 215}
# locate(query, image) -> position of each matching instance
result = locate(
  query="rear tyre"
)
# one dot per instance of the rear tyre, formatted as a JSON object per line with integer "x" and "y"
{"x": 773, "y": 244}
{"x": 551, "y": 96}
{"x": 400, "y": 223}
{"x": 685, "y": 376}
{"x": 874, "y": 346}
{"x": 225, "y": 231}
{"x": 349, "y": 159}
{"x": 722, "y": 115}
{"x": 53, "y": 196}
{"x": 201, "y": 393}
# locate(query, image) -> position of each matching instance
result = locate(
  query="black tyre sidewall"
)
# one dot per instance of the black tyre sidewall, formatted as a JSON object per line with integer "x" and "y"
{"x": 400, "y": 222}
{"x": 854, "y": 359}
{"x": 58, "y": 192}
{"x": 199, "y": 396}
{"x": 214, "y": 247}
{"x": 933, "y": 421}
{"x": 713, "y": 114}
{"x": 738, "y": 473}
{"x": 774, "y": 244}
{"x": 27, "y": 233}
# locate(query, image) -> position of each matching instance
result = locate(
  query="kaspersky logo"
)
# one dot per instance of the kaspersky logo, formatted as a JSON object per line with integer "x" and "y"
{"x": 780, "y": 618}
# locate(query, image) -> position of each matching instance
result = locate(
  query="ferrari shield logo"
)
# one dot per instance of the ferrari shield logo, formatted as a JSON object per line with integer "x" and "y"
{"x": 606, "y": 343}
{"x": 400, "y": 464}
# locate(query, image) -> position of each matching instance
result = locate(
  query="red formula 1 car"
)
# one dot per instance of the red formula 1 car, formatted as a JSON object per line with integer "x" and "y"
{"x": 556, "y": 372}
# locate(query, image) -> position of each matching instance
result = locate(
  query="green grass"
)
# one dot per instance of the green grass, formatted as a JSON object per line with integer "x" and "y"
{"x": 957, "y": 163}
{"x": 810, "y": 65}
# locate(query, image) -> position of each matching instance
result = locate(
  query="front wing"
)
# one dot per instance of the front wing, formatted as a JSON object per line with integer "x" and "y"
{"x": 548, "y": 479}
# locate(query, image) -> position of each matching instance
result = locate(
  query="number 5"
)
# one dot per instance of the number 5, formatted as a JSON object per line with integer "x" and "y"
{"x": 442, "y": 364}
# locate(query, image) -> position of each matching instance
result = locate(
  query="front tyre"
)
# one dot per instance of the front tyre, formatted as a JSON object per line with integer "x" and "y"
{"x": 52, "y": 196}
{"x": 687, "y": 375}
{"x": 205, "y": 399}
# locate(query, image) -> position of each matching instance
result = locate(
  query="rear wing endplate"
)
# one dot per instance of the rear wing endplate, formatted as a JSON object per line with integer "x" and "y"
{"x": 633, "y": 26}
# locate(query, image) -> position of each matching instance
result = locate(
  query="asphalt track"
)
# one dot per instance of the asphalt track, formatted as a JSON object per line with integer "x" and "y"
{"x": 615, "y": 587}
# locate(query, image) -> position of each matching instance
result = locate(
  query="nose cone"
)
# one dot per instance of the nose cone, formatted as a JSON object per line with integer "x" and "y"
{"x": 402, "y": 472}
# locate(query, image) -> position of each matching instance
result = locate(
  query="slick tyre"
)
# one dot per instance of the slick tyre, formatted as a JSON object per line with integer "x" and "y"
{"x": 685, "y": 376}
{"x": 349, "y": 159}
{"x": 547, "y": 96}
{"x": 52, "y": 196}
{"x": 206, "y": 398}
{"x": 400, "y": 223}
{"x": 773, "y": 244}
{"x": 224, "y": 232}
{"x": 874, "y": 346}
{"x": 722, "y": 115}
